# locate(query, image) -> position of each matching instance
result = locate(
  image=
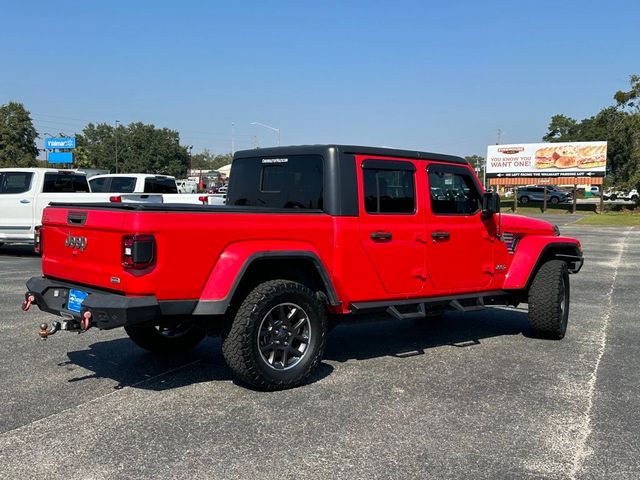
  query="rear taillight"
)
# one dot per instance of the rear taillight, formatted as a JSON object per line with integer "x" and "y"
{"x": 115, "y": 199}
{"x": 37, "y": 239}
{"x": 138, "y": 251}
{"x": 204, "y": 199}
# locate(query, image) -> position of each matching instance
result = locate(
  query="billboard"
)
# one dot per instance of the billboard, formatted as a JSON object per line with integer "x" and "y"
{"x": 575, "y": 159}
{"x": 59, "y": 142}
{"x": 60, "y": 157}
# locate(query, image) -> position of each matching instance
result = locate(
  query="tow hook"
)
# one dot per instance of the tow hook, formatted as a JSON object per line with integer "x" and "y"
{"x": 85, "y": 323}
{"x": 28, "y": 301}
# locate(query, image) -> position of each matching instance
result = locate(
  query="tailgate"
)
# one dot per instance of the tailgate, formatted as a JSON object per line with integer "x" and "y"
{"x": 84, "y": 246}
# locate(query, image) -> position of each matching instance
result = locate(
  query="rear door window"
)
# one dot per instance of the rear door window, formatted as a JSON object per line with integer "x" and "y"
{"x": 453, "y": 191}
{"x": 15, "y": 182}
{"x": 64, "y": 183}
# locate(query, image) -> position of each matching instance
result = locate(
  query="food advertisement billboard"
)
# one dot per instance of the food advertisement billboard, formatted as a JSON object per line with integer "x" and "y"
{"x": 575, "y": 159}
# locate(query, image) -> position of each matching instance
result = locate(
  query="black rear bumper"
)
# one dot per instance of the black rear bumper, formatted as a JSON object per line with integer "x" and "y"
{"x": 108, "y": 309}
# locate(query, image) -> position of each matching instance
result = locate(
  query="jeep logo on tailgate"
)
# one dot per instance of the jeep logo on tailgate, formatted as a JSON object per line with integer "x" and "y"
{"x": 75, "y": 242}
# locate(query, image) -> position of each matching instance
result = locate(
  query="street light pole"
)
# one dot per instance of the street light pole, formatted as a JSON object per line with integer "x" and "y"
{"x": 277, "y": 130}
{"x": 46, "y": 150}
{"x": 117, "y": 123}
{"x": 233, "y": 138}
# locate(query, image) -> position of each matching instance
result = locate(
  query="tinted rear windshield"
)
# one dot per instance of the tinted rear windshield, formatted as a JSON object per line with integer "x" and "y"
{"x": 64, "y": 182}
{"x": 294, "y": 181}
{"x": 160, "y": 185}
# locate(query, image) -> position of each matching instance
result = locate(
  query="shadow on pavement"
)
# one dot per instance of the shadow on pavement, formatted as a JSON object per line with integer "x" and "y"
{"x": 361, "y": 339}
{"x": 17, "y": 251}
{"x": 406, "y": 338}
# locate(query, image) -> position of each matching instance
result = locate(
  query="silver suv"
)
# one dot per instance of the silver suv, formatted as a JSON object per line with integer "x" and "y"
{"x": 536, "y": 194}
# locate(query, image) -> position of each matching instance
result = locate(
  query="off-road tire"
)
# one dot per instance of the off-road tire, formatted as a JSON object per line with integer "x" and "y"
{"x": 240, "y": 338}
{"x": 524, "y": 200}
{"x": 149, "y": 338}
{"x": 547, "y": 317}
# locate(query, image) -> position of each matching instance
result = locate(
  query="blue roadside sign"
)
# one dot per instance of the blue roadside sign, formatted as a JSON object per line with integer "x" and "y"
{"x": 59, "y": 142}
{"x": 60, "y": 157}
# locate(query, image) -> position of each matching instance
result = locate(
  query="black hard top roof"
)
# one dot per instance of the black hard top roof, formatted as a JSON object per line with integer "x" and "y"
{"x": 347, "y": 149}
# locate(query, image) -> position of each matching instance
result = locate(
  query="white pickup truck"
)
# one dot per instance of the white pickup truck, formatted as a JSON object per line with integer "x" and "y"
{"x": 149, "y": 184}
{"x": 25, "y": 192}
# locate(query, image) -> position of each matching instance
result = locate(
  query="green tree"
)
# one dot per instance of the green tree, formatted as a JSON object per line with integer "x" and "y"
{"x": 141, "y": 148}
{"x": 618, "y": 124}
{"x": 476, "y": 161}
{"x": 17, "y": 137}
{"x": 206, "y": 160}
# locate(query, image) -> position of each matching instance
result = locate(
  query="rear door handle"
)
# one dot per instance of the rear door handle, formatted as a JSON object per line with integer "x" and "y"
{"x": 381, "y": 236}
{"x": 440, "y": 235}
{"x": 25, "y": 200}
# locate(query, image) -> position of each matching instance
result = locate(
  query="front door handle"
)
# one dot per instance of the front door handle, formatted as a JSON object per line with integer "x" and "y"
{"x": 381, "y": 236}
{"x": 25, "y": 200}
{"x": 440, "y": 235}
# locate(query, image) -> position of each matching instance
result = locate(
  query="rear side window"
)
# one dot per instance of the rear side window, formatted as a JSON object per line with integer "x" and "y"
{"x": 64, "y": 183}
{"x": 453, "y": 191}
{"x": 295, "y": 181}
{"x": 15, "y": 182}
{"x": 123, "y": 184}
{"x": 160, "y": 185}
{"x": 388, "y": 190}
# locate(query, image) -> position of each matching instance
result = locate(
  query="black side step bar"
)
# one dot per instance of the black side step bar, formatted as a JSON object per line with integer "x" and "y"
{"x": 422, "y": 312}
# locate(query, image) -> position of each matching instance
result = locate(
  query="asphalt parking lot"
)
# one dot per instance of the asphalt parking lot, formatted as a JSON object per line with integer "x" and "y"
{"x": 472, "y": 396}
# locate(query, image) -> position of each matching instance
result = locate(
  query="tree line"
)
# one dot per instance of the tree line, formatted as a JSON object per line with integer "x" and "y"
{"x": 146, "y": 148}
{"x": 618, "y": 124}
{"x": 140, "y": 147}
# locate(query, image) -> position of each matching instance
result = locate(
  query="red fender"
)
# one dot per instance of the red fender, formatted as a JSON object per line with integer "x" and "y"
{"x": 529, "y": 251}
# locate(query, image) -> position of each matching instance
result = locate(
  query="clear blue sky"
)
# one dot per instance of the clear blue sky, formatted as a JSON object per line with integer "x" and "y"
{"x": 437, "y": 76}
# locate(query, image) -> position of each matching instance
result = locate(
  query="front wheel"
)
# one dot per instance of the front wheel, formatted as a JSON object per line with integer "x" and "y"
{"x": 277, "y": 336}
{"x": 524, "y": 200}
{"x": 549, "y": 300}
{"x": 173, "y": 340}
{"x": 555, "y": 200}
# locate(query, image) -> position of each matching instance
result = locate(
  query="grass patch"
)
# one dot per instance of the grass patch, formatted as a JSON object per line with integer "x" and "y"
{"x": 535, "y": 208}
{"x": 612, "y": 219}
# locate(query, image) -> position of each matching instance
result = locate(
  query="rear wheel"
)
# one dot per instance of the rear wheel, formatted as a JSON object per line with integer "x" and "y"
{"x": 524, "y": 200}
{"x": 277, "y": 336}
{"x": 549, "y": 300}
{"x": 162, "y": 340}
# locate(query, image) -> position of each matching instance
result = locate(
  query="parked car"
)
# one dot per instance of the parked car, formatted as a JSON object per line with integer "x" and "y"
{"x": 616, "y": 194}
{"x": 187, "y": 186}
{"x": 162, "y": 188}
{"x": 536, "y": 194}
{"x": 312, "y": 233}
{"x": 25, "y": 192}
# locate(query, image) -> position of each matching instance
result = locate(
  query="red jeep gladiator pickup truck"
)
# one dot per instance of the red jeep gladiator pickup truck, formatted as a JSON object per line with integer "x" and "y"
{"x": 309, "y": 233}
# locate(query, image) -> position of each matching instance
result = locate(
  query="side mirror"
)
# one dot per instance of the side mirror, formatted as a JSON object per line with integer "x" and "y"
{"x": 490, "y": 203}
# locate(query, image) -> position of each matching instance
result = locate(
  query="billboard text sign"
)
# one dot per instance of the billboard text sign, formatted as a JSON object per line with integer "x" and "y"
{"x": 60, "y": 157}
{"x": 59, "y": 142}
{"x": 575, "y": 159}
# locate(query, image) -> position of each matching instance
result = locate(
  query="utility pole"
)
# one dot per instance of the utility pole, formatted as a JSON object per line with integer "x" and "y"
{"x": 254, "y": 141}
{"x": 117, "y": 123}
{"x": 498, "y": 136}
